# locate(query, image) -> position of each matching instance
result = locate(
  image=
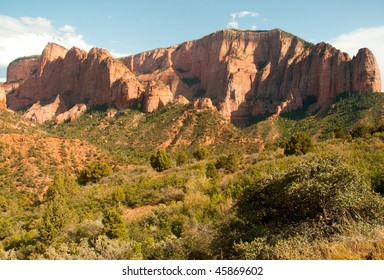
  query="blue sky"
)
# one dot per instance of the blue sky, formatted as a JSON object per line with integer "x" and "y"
{"x": 126, "y": 27}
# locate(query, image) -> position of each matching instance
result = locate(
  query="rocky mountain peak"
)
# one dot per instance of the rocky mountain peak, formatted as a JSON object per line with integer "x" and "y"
{"x": 244, "y": 74}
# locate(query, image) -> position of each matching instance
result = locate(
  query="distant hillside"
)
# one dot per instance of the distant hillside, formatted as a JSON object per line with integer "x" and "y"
{"x": 30, "y": 157}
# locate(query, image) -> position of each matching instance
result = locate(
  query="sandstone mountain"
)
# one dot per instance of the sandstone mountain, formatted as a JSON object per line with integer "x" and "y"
{"x": 244, "y": 74}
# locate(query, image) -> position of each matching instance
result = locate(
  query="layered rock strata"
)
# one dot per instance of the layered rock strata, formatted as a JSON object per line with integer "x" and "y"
{"x": 244, "y": 74}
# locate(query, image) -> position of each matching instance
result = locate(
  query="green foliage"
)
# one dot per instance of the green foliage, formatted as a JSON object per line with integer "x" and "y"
{"x": 377, "y": 178}
{"x": 118, "y": 195}
{"x": 321, "y": 191}
{"x": 299, "y": 144}
{"x": 54, "y": 218}
{"x": 201, "y": 153}
{"x": 160, "y": 160}
{"x": 361, "y": 131}
{"x": 94, "y": 173}
{"x": 339, "y": 133}
{"x": 182, "y": 158}
{"x": 211, "y": 172}
{"x": 229, "y": 163}
{"x": 114, "y": 225}
{"x": 273, "y": 207}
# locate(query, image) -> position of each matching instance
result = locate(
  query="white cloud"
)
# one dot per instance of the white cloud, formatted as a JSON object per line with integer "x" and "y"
{"x": 67, "y": 29}
{"x": 247, "y": 13}
{"x": 234, "y": 23}
{"x": 117, "y": 54}
{"x": 27, "y": 36}
{"x": 372, "y": 38}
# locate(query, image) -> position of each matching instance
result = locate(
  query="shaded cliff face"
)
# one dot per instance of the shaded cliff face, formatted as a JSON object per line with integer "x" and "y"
{"x": 246, "y": 74}
{"x": 65, "y": 78}
{"x": 243, "y": 73}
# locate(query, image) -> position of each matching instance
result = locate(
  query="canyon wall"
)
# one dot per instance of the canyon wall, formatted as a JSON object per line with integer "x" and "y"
{"x": 245, "y": 74}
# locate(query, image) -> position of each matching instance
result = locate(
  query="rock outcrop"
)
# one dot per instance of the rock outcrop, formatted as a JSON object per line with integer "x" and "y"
{"x": 247, "y": 74}
{"x": 244, "y": 74}
{"x": 22, "y": 68}
{"x": 157, "y": 95}
{"x": 41, "y": 113}
{"x": 68, "y": 77}
{"x": 72, "y": 114}
{"x": 3, "y": 105}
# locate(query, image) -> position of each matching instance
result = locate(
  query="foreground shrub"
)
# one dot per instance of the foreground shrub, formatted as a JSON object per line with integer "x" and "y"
{"x": 321, "y": 191}
{"x": 94, "y": 172}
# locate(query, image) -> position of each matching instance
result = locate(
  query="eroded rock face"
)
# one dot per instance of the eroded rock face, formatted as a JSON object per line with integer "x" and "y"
{"x": 41, "y": 113}
{"x": 246, "y": 74}
{"x": 243, "y": 74}
{"x": 72, "y": 114}
{"x": 3, "y": 104}
{"x": 157, "y": 95}
{"x": 93, "y": 78}
{"x": 22, "y": 68}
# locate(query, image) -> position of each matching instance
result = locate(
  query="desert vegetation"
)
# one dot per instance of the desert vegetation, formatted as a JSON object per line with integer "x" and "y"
{"x": 132, "y": 197}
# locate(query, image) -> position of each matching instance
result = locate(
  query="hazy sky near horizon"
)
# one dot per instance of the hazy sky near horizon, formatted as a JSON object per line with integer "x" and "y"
{"x": 125, "y": 27}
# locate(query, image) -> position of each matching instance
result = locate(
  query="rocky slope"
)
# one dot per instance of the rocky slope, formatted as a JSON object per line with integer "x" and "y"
{"x": 244, "y": 73}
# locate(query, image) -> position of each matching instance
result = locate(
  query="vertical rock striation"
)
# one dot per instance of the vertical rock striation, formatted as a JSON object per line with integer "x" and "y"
{"x": 244, "y": 74}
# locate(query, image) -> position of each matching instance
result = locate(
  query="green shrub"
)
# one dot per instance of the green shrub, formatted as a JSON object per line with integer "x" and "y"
{"x": 323, "y": 191}
{"x": 339, "y": 133}
{"x": 182, "y": 158}
{"x": 114, "y": 225}
{"x": 377, "y": 179}
{"x": 211, "y": 172}
{"x": 299, "y": 144}
{"x": 201, "y": 153}
{"x": 94, "y": 172}
{"x": 160, "y": 160}
{"x": 118, "y": 195}
{"x": 230, "y": 163}
{"x": 361, "y": 131}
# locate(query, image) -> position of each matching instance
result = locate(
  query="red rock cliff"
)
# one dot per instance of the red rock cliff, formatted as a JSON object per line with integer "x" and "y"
{"x": 255, "y": 73}
{"x": 21, "y": 68}
{"x": 77, "y": 77}
{"x": 2, "y": 99}
{"x": 244, "y": 73}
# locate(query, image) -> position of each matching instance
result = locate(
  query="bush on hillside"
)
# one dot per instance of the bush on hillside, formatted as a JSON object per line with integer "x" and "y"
{"x": 299, "y": 144}
{"x": 160, "y": 160}
{"x": 211, "y": 172}
{"x": 324, "y": 191}
{"x": 229, "y": 163}
{"x": 94, "y": 172}
{"x": 182, "y": 158}
{"x": 114, "y": 225}
{"x": 201, "y": 153}
{"x": 361, "y": 131}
